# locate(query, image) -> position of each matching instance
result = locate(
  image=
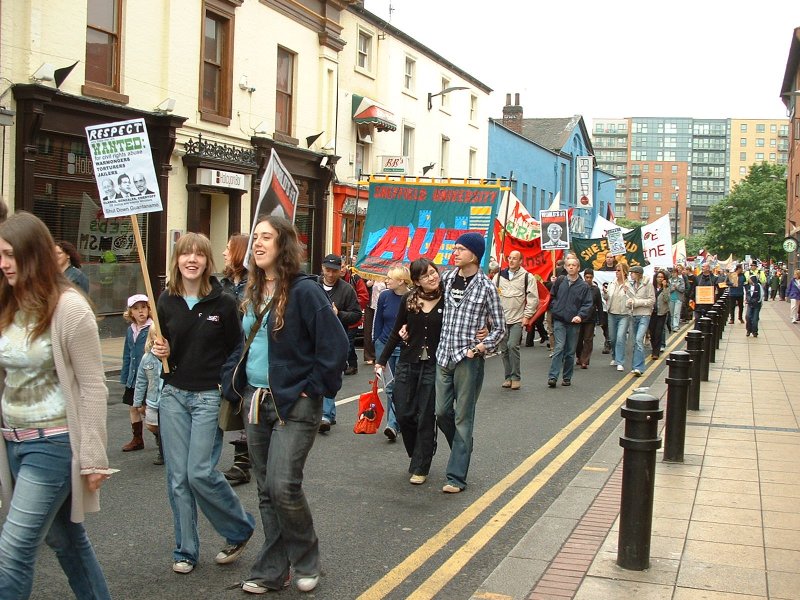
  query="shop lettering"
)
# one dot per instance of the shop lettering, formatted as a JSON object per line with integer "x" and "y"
{"x": 232, "y": 179}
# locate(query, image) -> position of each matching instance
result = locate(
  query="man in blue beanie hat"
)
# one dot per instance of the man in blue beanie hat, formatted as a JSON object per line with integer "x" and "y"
{"x": 471, "y": 302}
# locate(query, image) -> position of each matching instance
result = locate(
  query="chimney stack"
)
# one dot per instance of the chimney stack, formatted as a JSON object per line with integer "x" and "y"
{"x": 512, "y": 114}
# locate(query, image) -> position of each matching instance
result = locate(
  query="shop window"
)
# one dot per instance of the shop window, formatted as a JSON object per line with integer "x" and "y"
{"x": 66, "y": 199}
{"x": 216, "y": 69}
{"x": 283, "y": 92}
{"x": 103, "y": 31}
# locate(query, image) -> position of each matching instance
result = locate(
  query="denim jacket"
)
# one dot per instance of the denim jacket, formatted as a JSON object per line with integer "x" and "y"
{"x": 148, "y": 381}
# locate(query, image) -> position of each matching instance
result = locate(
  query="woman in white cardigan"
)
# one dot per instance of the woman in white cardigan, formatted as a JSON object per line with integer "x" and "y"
{"x": 53, "y": 456}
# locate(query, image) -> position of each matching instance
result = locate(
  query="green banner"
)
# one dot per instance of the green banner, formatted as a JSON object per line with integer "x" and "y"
{"x": 406, "y": 221}
{"x": 592, "y": 252}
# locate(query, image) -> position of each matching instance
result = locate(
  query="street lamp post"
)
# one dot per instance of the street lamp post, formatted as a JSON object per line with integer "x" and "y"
{"x": 769, "y": 235}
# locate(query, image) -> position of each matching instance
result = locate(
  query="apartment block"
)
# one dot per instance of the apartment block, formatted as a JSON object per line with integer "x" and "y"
{"x": 682, "y": 166}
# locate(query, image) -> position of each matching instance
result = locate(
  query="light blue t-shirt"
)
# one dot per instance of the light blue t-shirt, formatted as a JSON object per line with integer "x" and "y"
{"x": 258, "y": 355}
{"x": 191, "y": 301}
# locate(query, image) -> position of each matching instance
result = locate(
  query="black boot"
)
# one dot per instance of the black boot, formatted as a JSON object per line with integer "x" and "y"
{"x": 240, "y": 471}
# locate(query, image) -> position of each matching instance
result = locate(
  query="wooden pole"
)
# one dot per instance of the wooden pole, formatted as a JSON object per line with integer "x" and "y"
{"x": 148, "y": 287}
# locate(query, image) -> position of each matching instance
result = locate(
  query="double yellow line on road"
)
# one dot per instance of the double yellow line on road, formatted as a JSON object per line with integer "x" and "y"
{"x": 431, "y": 586}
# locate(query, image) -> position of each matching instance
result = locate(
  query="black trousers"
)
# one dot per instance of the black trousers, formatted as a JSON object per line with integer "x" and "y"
{"x": 733, "y": 302}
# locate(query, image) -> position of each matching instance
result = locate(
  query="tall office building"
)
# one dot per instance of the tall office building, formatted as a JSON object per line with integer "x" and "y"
{"x": 682, "y": 166}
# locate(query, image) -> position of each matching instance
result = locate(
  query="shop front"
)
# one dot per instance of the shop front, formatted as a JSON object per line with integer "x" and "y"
{"x": 54, "y": 179}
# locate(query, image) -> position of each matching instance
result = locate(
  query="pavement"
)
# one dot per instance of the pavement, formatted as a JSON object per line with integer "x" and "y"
{"x": 726, "y": 521}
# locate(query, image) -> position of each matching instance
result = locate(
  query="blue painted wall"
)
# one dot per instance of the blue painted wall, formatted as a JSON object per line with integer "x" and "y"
{"x": 537, "y": 169}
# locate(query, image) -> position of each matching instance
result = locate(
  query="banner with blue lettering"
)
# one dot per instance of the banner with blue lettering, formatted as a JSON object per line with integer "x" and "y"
{"x": 422, "y": 219}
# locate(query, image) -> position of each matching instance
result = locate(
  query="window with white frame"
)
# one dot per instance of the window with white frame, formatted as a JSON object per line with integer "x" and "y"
{"x": 408, "y": 143}
{"x": 364, "y": 59}
{"x": 473, "y": 108}
{"x": 473, "y": 164}
{"x": 444, "y": 156}
{"x": 445, "y": 98}
{"x": 409, "y": 75}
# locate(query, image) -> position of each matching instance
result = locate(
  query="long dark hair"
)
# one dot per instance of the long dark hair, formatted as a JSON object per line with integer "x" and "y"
{"x": 39, "y": 282}
{"x": 287, "y": 265}
{"x": 419, "y": 269}
{"x": 71, "y": 251}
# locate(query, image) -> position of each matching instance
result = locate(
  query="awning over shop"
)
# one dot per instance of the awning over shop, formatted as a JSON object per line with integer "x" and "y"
{"x": 369, "y": 112}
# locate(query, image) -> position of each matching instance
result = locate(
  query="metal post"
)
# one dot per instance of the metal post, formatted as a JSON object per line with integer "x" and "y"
{"x": 705, "y": 329}
{"x": 712, "y": 348}
{"x": 721, "y": 320}
{"x": 694, "y": 346}
{"x": 677, "y": 389}
{"x": 640, "y": 442}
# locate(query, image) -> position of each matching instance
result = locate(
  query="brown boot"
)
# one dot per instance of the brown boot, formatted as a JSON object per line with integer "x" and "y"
{"x": 137, "y": 443}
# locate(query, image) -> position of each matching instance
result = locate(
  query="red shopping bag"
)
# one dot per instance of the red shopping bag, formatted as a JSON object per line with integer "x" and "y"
{"x": 370, "y": 411}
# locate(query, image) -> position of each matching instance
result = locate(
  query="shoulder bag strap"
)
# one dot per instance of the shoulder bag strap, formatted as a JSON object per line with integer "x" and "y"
{"x": 254, "y": 328}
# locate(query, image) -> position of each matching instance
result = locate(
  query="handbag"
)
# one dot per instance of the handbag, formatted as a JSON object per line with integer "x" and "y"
{"x": 230, "y": 415}
{"x": 370, "y": 411}
{"x": 232, "y": 378}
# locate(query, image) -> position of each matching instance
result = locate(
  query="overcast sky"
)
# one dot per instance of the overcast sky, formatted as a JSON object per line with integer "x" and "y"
{"x": 613, "y": 59}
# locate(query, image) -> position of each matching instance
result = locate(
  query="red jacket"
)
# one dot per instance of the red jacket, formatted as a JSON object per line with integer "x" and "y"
{"x": 362, "y": 292}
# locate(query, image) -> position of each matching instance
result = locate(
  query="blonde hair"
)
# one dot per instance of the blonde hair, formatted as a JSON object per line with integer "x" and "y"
{"x": 401, "y": 273}
{"x": 625, "y": 268}
{"x": 129, "y": 318}
{"x": 151, "y": 338}
{"x": 186, "y": 244}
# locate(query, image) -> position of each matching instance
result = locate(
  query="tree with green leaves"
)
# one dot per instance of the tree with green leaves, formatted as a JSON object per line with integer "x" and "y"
{"x": 755, "y": 206}
{"x": 628, "y": 223}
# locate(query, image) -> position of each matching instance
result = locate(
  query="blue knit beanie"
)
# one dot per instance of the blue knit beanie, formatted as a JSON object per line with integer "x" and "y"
{"x": 473, "y": 242}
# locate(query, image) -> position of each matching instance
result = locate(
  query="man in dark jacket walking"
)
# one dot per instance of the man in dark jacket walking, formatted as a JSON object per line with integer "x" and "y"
{"x": 345, "y": 306}
{"x": 570, "y": 303}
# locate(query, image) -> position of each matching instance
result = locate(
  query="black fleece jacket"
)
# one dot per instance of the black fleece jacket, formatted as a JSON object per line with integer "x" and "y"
{"x": 201, "y": 339}
{"x": 309, "y": 353}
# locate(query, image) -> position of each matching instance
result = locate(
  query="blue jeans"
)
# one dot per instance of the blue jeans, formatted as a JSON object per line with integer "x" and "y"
{"x": 391, "y": 414}
{"x": 675, "y": 311}
{"x": 192, "y": 443}
{"x": 458, "y": 386}
{"x": 278, "y": 453}
{"x": 509, "y": 349}
{"x": 639, "y": 325}
{"x": 617, "y": 332}
{"x": 40, "y": 511}
{"x": 566, "y": 339}
{"x": 753, "y": 312}
{"x": 329, "y": 409}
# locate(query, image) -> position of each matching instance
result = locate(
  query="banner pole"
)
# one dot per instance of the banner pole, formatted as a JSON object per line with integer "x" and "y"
{"x": 505, "y": 221}
{"x": 148, "y": 286}
{"x": 553, "y": 260}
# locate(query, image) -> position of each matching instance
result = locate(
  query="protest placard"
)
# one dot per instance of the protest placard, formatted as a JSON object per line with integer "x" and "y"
{"x": 555, "y": 229}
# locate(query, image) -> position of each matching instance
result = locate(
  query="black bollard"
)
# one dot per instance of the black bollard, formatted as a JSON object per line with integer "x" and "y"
{"x": 705, "y": 328}
{"x": 694, "y": 346}
{"x": 721, "y": 320}
{"x": 712, "y": 349}
{"x": 640, "y": 442}
{"x": 677, "y": 390}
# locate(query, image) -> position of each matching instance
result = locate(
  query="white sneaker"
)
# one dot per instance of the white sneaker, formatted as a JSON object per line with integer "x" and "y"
{"x": 307, "y": 583}
{"x": 613, "y": 363}
{"x": 620, "y": 368}
{"x": 182, "y": 566}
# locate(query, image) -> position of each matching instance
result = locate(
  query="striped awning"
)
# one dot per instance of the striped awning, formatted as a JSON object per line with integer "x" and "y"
{"x": 369, "y": 112}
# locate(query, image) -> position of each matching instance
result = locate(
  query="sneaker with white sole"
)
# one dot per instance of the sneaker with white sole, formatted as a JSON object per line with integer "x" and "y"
{"x": 182, "y": 566}
{"x": 253, "y": 587}
{"x": 637, "y": 372}
{"x": 451, "y": 489}
{"x": 613, "y": 363}
{"x": 306, "y": 583}
{"x": 418, "y": 479}
{"x": 390, "y": 433}
{"x": 231, "y": 552}
{"x": 620, "y": 368}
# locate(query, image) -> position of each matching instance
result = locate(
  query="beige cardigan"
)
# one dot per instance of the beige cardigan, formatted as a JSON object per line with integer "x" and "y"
{"x": 79, "y": 364}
